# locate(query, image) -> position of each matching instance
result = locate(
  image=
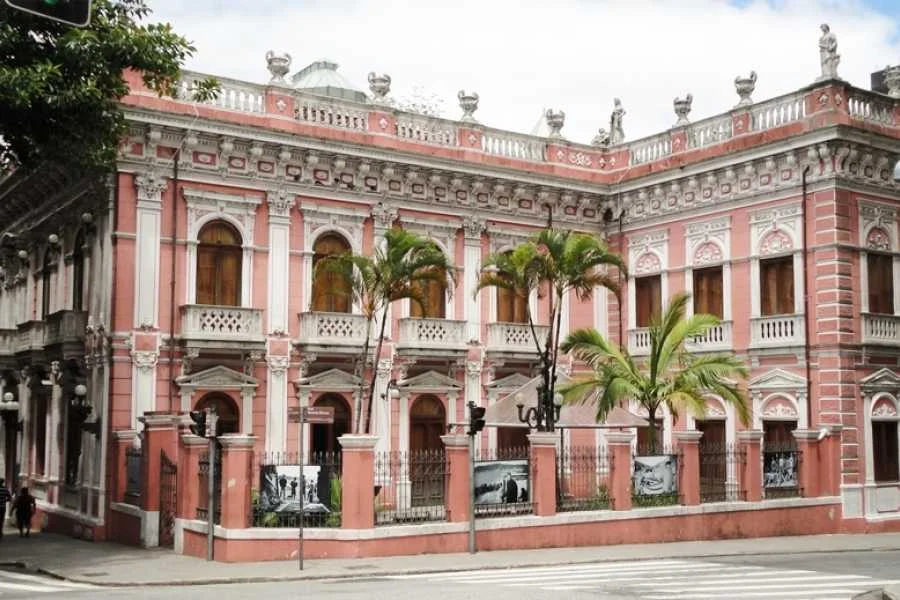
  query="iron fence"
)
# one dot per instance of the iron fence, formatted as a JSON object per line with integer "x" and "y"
{"x": 134, "y": 473}
{"x": 503, "y": 482}
{"x": 720, "y": 472}
{"x": 655, "y": 476}
{"x": 203, "y": 482}
{"x": 583, "y": 476}
{"x": 410, "y": 487}
{"x": 781, "y": 470}
{"x": 276, "y": 499}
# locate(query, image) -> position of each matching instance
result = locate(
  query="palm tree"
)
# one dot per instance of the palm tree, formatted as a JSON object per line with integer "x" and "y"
{"x": 670, "y": 376}
{"x": 395, "y": 270}
{"x": 552, "y": 262}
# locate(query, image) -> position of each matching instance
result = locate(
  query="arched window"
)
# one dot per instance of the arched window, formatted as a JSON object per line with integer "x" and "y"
{"x": 325, "y": 437}
{"x": 78, "y": 273}
{"x": 434, "y": 299}
{"x": 330, "y": 290}
{"x": 219, "y": 268}
{"x": 511, "y": 307}
{"x": 427, "y": 424}
{"x": 225, "y": 408}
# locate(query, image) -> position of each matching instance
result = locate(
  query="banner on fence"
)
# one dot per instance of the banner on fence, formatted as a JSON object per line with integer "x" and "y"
{"x": 655, "y": 475}
{"x": 280, "y": 492}
{"x": 501, "y": 482}
{"x": 780, "y": 470}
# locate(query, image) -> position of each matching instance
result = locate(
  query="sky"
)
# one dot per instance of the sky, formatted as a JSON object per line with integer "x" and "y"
{"x": 524, "y": 56}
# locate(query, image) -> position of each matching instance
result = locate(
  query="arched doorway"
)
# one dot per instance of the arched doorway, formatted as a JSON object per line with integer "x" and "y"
{"x": 219, "y": 265}
{"x": 325, "y": 437}
{"x": 225, "y": 408}
{"x": 427, "y": 423}
{"x": 330, "y": 289}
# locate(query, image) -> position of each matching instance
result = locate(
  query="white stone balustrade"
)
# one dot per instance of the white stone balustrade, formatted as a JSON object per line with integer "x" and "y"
{"x": 870, "y": 107}
{"x": 332, "y": 329}
{"x": 511, "y": 145}
{"x": 717, "y": 338}
{"x": 881, "y": 329}
{"x": 639, "y": 341}
{"x": 30, "y": 336}
{"x": 777, "y": 331}
{"x": 777, "y": 112}
{"x": 233, "y": 95}
{"x": 649, "y": 149}
{"x": 8, "y": 339}
{"x": 432, "y": 334}
{"x": 429, "y": 131}
{"x": 221, "y": 323}
{"x": 65, "y": 326}
{"x": 332, "y": 113}
{"x": 514, "y": 338}
{"x": 709, "y": 131}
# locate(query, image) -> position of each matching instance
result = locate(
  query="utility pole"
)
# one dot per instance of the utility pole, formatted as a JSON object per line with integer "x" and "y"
{"x": 476, "y": 424}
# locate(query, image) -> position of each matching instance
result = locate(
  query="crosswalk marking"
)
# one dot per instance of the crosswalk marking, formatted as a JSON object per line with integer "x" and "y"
{"x": 673, "y": 579}
{"x": 22, "y": 582}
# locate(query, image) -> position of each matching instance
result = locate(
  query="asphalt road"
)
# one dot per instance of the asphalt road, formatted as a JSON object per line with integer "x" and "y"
{"x": 830, "y": 576}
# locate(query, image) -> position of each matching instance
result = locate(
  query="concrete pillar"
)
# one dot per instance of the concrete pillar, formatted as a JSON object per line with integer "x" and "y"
{"x": 543, "y": 473}
{"x": 618, "y": 444}
{"x": 358, "y": 481}
{"x": 122, "y": 441}
{"x": 192, "y": 447}
{"x": 459, "y": 482}
{"x": 808, "y": 469}
{"x": 830, "y": 462}
{"x": 751, "y": 474}
{"x": 237, "y": 469}
{"x": 159, "y": 437}
{"x": 689, "y": 470}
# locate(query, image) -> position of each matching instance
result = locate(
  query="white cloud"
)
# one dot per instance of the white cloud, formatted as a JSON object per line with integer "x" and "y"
{"x": 524, "y": 55}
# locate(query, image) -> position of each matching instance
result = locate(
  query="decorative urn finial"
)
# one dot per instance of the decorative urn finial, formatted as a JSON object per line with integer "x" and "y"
{"x": 555, "y": 121}
{"x": 380, "y": 86}
{"x": 468, "y": 102}
{"x": 278, "y": 66}
{"x": 744, "y": 87}
{"x": 682, "y": 109}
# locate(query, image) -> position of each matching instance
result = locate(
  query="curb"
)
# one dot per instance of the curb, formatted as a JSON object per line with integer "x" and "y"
{"x": 419, "y": 571}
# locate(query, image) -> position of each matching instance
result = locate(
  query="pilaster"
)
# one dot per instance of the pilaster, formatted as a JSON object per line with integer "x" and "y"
{"x": 473, "y": 229}
{"x": 276, "y": 402}
{"x": 280, "y": 205}
{"x": 459, "y": 483}
{"x": 358, "y": 480}
{"x": 619, "y": 446}
{"x": 543, "y": 473}
{"x": 146, "y": 263}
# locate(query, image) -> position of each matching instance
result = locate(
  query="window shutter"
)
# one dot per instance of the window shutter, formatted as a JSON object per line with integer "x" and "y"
{"x": 881, "y": 283}
{"x": 885, "y": 451}
{"x": 206, "y": 275}
{"x": 331, "y": 292}
{"x": 648, "y": 299}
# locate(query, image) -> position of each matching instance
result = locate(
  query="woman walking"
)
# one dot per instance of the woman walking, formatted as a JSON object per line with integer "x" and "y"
{"x": 24, "y": 506}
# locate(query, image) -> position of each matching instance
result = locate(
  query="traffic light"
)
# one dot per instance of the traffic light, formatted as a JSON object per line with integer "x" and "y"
{"x": 70, "y": 12}
{"x": 476, "y": 418}
{"x": 199, "y": 419}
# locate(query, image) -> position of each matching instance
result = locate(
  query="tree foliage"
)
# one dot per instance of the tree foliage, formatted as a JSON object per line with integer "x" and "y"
{"x": 60, "y": 86}
{"x": 394, "y": 271}
{"x": 670, "y": 376}
{"x": 553, "y": 262}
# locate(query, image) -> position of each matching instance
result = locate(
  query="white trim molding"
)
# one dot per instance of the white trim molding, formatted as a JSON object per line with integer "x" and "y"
{"x": 648, "y": 254}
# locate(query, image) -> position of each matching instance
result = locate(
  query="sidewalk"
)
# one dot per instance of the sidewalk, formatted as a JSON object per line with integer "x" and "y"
{"x": 115, "y": 565}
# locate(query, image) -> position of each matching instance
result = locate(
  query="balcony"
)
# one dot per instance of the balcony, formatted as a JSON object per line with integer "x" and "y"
{"x": 30, "y": 337}
{"x": 432, "y": 336}
{"x": 342, "y": 333}
{"x": 779, "y": 331}
{"x": 65, "y": 332}
{"x": 716, "y": 339}
{"x": 8, "y": 347}
{"x": 880, "y": 330}
{"x": 222, "y": 327}
{"x": 639, "y": 341}
{"x": 514, "y": 339}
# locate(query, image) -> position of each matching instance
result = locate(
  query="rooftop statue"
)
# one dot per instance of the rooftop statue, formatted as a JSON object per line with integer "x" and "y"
{"x": 616, "y": 131}
{"x": 828, "y": 54}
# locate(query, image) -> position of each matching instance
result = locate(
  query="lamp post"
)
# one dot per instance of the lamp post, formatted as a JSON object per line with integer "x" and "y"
{"x": 544, "y": 415}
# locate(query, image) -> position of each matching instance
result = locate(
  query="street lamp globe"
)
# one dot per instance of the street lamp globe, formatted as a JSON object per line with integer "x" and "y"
{"x": 8, "y": 397}
{"x": 81, "y": 390}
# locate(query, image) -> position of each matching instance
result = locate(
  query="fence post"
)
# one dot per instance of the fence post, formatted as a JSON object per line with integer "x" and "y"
{"x": 237, "y": 469}
{"x": 619, "y": 445}
{"x": 543, "y": 472}
{"x": 458, "y": 482}
{"x": 192, "y": 446}
{"x": 689, "y": 471}
{"x": 122, "y": 441}
{"x": 751, "y": 474}
{"x": 808, "y": 469}
{"x": 358, "y": 481}
{"x": 159, "y": 436}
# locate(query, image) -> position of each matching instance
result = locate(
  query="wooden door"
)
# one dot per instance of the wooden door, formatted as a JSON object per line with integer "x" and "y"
{"x": 426, "y": 451}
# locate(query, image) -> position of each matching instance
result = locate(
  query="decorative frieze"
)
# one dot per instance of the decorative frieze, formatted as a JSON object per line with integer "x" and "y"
{"x": 707, "y": 242}
{"x": 775, "y": 230}
{"x": 648, "y": 253}
{"x": 877, "y": 226}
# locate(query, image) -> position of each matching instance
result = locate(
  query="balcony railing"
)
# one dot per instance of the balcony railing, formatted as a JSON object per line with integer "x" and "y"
{"x": 881, "y": 329}
{"x": 515, "y": 338}
{"x": 716, "y": 339}
{"x": 30, "y": 336}
{"x": 332, "y": 329}
{"x": 207, "y": 323}
{"x": 639, "y": 341}
{"x": 777, "y": 331}
{"x": 432, "y": 334}
{"x": 65, "y": 326}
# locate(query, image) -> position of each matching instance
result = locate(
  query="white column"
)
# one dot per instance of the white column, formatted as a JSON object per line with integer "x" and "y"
{"x": 864, "y": 289}
{"x": 306, "y": 287}
{"x": 303, "y": 402}
{"x": 632, "y": 306}
{"x": 726, "y": 293}
{"x": 452, "y": 408}
{"x": 383, "y": 217}
{"x": 798, "y": 283}
{"x": 473, "y": 393}
{"x": 276, "y": 403}
{"x": 381, "y": 413}
{"x": 492, "y": 431}
{"x": 54, "y": 456}
{"x": 403, "y": 441}
{"x": 601, "y": 310}
{"x": 279, "y": 261}
{"x": 146, "y": 262}
{"x": 247, "y": 410}
{"x": 143, "y": 384}
{"x": 755, "y": 301}
{"x": 473, "y": 228}
{"x": 565, "y": 315}
{"x": 689, "y": 289}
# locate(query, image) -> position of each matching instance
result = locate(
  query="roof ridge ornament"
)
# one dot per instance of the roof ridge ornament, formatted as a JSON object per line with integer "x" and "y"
{"x": 279, "y": 65}
{"x": 744, "y": 87}
{"x": 380, "y": 86}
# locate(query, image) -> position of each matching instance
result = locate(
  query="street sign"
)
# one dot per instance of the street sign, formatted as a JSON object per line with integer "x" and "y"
{"x": 319, "y": 415}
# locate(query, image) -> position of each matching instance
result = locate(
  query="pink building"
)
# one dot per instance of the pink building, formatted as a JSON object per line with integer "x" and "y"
{"x": 187, "y": 281}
